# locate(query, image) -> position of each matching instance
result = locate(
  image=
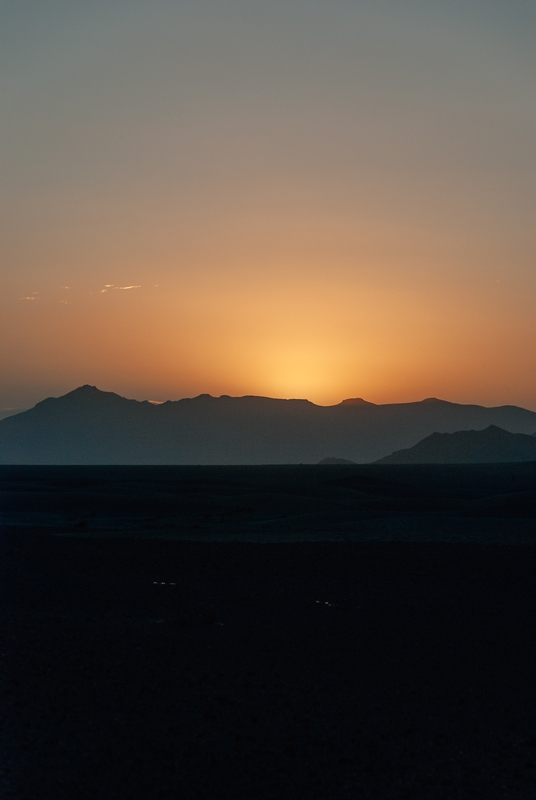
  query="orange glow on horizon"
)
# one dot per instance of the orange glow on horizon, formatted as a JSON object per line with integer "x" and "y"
{"x": 325, "y": 343}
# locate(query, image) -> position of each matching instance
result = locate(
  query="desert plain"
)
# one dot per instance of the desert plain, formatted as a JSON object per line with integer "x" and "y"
{"x": 268, "y": 632}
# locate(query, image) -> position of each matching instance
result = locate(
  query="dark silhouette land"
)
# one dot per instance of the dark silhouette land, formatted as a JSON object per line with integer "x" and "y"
{"x": 334, "y": 460}
{"x": 329, "y": 631}
{"x": 492, "y": 445}
{"x": 88, "y": 426}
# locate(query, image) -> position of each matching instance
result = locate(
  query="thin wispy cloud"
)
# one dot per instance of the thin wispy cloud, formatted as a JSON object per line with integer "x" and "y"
{"x": 113, "y": 286}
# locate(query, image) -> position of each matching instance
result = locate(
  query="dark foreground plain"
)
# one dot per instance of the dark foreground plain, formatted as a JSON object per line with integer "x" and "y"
{"x": 328, "y": 632}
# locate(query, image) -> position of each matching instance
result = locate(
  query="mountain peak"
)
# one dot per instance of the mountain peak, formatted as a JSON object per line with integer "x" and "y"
{"x": 85, "y": 396}
{"x": 89, "y": 392}
{"x": 356, "y": 401}
{"x": 85, "y": 389}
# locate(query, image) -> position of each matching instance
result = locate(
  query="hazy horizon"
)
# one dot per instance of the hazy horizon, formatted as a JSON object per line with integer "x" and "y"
{"x": 287, "y": 199}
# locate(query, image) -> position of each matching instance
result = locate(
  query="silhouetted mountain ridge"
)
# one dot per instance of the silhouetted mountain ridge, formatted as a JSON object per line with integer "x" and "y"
{"x": 356, "y": 401}
{"x": 491, "y": 445}
{"x": 88, "y": 426}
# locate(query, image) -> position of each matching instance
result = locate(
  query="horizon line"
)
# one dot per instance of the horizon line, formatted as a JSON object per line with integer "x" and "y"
{"x": 349, "y": 401}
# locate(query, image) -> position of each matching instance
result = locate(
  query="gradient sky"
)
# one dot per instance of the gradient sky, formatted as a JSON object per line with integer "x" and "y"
{"x": 306, "y": 199}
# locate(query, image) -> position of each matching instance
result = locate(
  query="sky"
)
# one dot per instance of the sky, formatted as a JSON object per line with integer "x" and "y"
{"x": 292, "y": 199}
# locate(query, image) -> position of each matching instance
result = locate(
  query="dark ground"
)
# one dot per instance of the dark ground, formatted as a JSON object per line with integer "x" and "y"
{"x": 154, "y": 668}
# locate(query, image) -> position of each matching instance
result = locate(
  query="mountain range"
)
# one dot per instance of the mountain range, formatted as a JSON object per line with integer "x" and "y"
{"x": 88, "y": 426}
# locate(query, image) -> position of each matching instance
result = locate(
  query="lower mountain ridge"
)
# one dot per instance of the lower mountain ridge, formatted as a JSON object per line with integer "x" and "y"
{"x": 489, "y": 446}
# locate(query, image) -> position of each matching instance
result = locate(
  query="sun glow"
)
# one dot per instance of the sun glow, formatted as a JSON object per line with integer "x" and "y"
{"x": 297, "y": 370}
